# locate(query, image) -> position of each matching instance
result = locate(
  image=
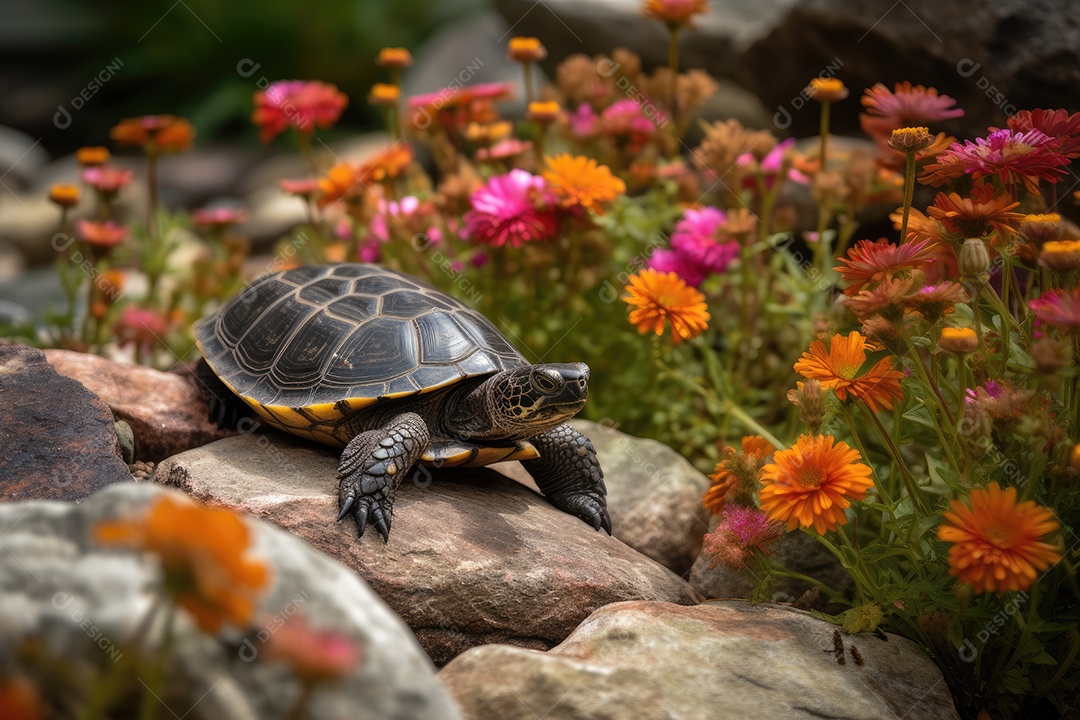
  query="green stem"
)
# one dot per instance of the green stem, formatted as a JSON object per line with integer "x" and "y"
{"x": 908, "y": 478}
{"x": 529, "y": 95}
{"x": 783, "y": 572}
{"x": 882, "y": 492}
{"x": 909, "y": 191}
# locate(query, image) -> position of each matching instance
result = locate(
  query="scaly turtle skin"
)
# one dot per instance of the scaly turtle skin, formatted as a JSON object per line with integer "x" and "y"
{"x": 398, "y": 374}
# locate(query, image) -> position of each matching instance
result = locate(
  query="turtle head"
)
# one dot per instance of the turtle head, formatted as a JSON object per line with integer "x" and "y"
{"x": 525, "y": 401}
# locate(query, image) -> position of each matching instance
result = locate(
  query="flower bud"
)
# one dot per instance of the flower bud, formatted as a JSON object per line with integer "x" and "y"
{"x": 384, "y": 95}
{"x": 1040, "y": 229}
{"x": 958, "y": 340}
{"x": 974, "y": 259}
{"x": 526, "y": 49}
{"x": 827, "y": 90}
{"x": 394, "y": 58}
{"x": 64, "y": 195}
{"x": 1061, "y": 255}
{"x": 1050, "y": 355}
{"x": 810, "y": 398}
{"x": 909, "y": 139}
{"x": 543, "y": 112}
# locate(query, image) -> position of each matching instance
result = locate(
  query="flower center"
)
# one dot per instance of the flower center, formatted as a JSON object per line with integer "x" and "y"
{"x": 810, "y": 478}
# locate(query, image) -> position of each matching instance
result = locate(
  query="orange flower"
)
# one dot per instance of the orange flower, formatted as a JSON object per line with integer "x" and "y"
{"x": 827, "y": 89}
{"x": 959, "y": 340}
{"x": 64, "y": 195}
{"x": 813, "y": 483}
{"x": 345, "y": 181}
{"x": 838, "y": 368}
{"x": 92, "y": 156}
{"x": 735, "y": 467}
{"x": 391, "y": 163}
{"x": 384, "y": 95}
{"x": 203, "y": 554}
{"x": 889, "y": 298}
{"x": 674, "y": 12}
{"x": 869, "y": 262}
{"x": 997, "y": 541}
{"x": 984, "y": 212}
{"x": 579, "y": 181}
{"x": 156, "y": 133}
{"x": 660, "y": 298}
{"x": 103, "y": 235}
{"x": 543, "y": 112}
{"x": 313, "y": 655}
{"x": 20, "y": 699}
{"x": 395, "y": 58}
{"x": 526, "y": 49}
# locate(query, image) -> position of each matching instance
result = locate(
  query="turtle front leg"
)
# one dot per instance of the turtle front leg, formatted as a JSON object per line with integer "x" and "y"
{"x": 373, "y": 464}
{"x": 569, "y": 475}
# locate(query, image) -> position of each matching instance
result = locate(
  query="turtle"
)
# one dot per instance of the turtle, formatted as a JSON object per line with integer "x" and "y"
{"x": 398, "y": 375}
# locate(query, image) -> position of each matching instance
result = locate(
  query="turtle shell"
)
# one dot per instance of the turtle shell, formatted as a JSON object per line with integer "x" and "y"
{"x": 307, "y": 346}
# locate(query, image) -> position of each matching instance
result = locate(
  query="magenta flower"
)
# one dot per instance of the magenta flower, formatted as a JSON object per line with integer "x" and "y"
{"x": 106, "y": 178}
{"x": 1010, "y": 156}
{"x": 625, "y": 118}
{"x": 584, "y": 123}
{"x": 1059, "y": 308}
{"x": 695, "y": 251}
{"x": 666, "y": 261}
{"x": 504, "y": 149}
{"x": 219, "y": 217}
{"x": 742, "y": 532}
{"x": 514, "y": 208}
{"x": 299, "y": 104}
{"x": 770, "y": 166}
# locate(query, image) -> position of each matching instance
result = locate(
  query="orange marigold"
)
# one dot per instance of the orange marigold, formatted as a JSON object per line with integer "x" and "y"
{"x": 203, "y": 552}
{"x": 838, "y": 368}
{"x": 997, "y": 541}
{"x": 579, "y": 181}
{"x": 812, "y": 483}
{"x": 660, "y": 298}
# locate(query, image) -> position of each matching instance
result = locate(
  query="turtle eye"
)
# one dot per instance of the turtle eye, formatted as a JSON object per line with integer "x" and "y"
{"x": 544, "y": 383}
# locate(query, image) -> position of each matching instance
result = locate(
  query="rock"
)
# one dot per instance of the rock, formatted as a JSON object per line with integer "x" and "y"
{"x": 994, "y": 58}
{"x": 166, "y": 411}
{"x": 654, "y": 495}
{"x": 21, "y": 156}
{"x": 28, "y": 222}
{"x": 33, "y": 291}
{"x": 77, "y": 605}
{"x": 57, "y": 440}
{"x": 721, "y": 659}
{"x": 127, "y": 441}
{"x": 796, "y": 551}
{"x": 473, "y": 558}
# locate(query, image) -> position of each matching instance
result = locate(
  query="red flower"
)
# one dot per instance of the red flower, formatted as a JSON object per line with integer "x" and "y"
{"x": 1058, "y": 124}
{"x": 156, "y": 133}
{"x": 299, "y": 104}
{"x": 984, "y": 212}
{"x": 107, "y": 179}
{"x": 869, "y": 262}
{"x": 100, "y": 234}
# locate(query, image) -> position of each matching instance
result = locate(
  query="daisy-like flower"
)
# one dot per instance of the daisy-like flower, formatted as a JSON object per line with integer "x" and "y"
{"x": 344, "y": 181}
{"x": 1059, "y": 308}
{"x": 101, "y": 235}
{"x": 219, "y": 217}
{"x": 297, "y": 104}
{"x": 696, "y": 252}
{"x": 982, "y": 213}
{"x": 301, "y": 187}
{"x": 625, "y": 119}
{"x": 812, "y": 483}
{"x": 141, "y": 327}
{"x": 887, "y": 298}
{"x": 1041, "y": 228}
{"x": 736, "y": 476}
{"x": 674, "y": 13}
{"x": 394, "y": 58}
{"x": 504, "y": 150}
{"x": 314, "y": 656}
{"x": 838, "y": 368}
{"x": 203, "y": 554}
{"x": 155, "y": 133}
{"x": 827, "y": 89}
{"x": 906, "y": 105}
{"x": 526, "y": 49}
{"x": 743, "y": 533}
{"x": 1058, "y": 124}
{"x": 1010, "y": 156}
{"x": 584, "y": 123}
{"x": 1060, "y": 255}
{"x": 870, "y": 262}
{"x": 578, "y": 181}
{"x": 662, "y": 298}
{"x": 64, "y": 195}
{"x": 909, "y": 139}
{"x": 511, "y": 209}
{"x": 384, "y": 95}
{"x": 107, "y": 179}
{"x": 668, "y": 261}
{"x": 543, "y": 112}
{"x": 998, "y": 543}
{"x": 933, "y": 301}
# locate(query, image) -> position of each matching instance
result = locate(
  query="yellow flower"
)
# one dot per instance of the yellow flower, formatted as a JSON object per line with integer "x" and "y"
{"x": 580, "y": 181}
{"x": 526, "y": 49}
{"x": 909, "y": 139}
{"x": 384, "y": 94}
{"x": 827, "y": 89}
{"x": 958, "y": 340}
{"x": 203, "y": 552}
{"x": 812, "y": 483}
{"x": 660, "y": 298}
{"x": 64, "y": 195}
{"x": 997, "y": 542}
{"x": 543, "y": 112}
{"x": 1060, "y": 255}
{"x": 92, "y": 156}
{"x": 394, "y": 58}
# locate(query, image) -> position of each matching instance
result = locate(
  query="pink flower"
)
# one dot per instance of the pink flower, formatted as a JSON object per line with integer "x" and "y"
{"x": 771, "y": 165}
{"x": 302, "y": 187}
{"x": 1010, "y": 156}
{"x": 106, "y": 178}
{"x": 314, "y": 655}
{"x": 625, "y": 117}
{"x": 141, "y": 327}
{"x": 219, "y": 217}
{"x": 100, "y": 234}
{"x": 666, "y": 261}
{"x": 412, "y": 214}
{"x": 508, "y": 148}
{"x": 695, "y": 251}
{"x": 584, "y": 123}
{"x": 1059, "y": 308}
{"x": 299, "y": 104}
{"x": 742, "y": 532}
{"x": 514, "y": 208}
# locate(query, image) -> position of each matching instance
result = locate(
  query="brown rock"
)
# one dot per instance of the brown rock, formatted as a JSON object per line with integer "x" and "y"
{"x": 473, "y": 558}
{"x": 57, "y": 441}
{"x": 730, "y": 659}
{"x": 166, "y": 411}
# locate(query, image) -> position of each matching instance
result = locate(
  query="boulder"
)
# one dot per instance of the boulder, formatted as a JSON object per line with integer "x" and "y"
{"x": 72, "y": 607}
{"x": 994, "y": 58}
{"x": 726, "y": 659}
{"x": 57, "y": 440}
{"x": 166, "y": 411}
{"x": 473, "y": 557}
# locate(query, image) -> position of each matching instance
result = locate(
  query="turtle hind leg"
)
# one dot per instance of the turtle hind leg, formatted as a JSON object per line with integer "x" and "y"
{"x": 373, "y": 464}
{"x": 226, "y": 409}
{"x": 569, "y": 475}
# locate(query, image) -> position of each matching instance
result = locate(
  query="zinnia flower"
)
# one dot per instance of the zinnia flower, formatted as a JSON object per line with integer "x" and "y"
{"x": 203, "y": 552}
{"x": 394, "y": 58}
{"x": 982, "y": 213}
{"x": 933, "y": 301}
{"x": 888, "y": 298}
{"x": 906, "y": 105}
{"x": 578, "y": 181}
{"x": 871, "y": 262}
{"x": 1060, "y": 255}
{"x": 141, "y": 327}
{"x": 1059, "y": 308}
{"x": 674, "y": 13}
{"x": 696, "y": 252}
{"x": 515, "y": 209}
{"x": 838, "y": 368}
{"x": 219, "y": 217}
{"x": 827, "y": 89}
{"x": 107, "y": 179}
{"x": 299, "y": 104}
{"x": 103, "y": 235}
{"x": 1062, "y": 127}
{"x": 504, "y": 149}
{"x": 998, "y": 543}
{"x": 92, "y": 155}
{"x": 526, "y": 49}
{"x": 660, "y": 298}
{"x": 812, "y": 483}
{"x": 64, "y": 195}
{"x": 155, "y": 133}
{"x": 742, "y": 533}
{"x": 959, "y": 340}
{"x": 1010, "y": 156}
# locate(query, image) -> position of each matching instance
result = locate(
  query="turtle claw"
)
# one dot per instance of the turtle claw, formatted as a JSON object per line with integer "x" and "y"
{"x": 345, "y": 507}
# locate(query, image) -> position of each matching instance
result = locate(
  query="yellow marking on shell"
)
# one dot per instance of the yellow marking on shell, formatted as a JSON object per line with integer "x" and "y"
{"x": 484, "y": 455}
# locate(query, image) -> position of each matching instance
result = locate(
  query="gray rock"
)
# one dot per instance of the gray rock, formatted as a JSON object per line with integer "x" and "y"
{"x": 473, "y": 558}
{"x": 78, "y": 605}
{"x": 127, "y": 441}
{"x": 57, "y": 439}
{"x": 994, "y": 58}
{"x": 731, "y": 660}
{"x": 21, "y": 156}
